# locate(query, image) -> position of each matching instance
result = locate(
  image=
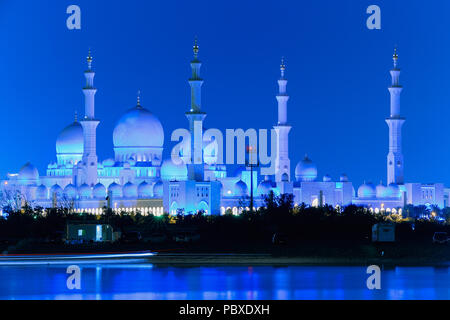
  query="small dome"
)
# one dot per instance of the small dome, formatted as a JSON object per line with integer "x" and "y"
{"x": 109, "y": 162}
{"x": 145, "y": 190}
{"x": 343, "y": 178}
{"x": 172, "y": 172}
{"x": 115, "y": 189}
{"x": 42, "y": 192}
{"x": 393, "y": 191}
{"x": 99, "y": 191}
{"x": 85, "y": 192}
{"x": 326, "y": 178}
{"x": 240, "y": 189}
{"x": 56, "y": 189}
{"x": 138, "y": 128}
{"x": 306, "y": 170}
{"x": 130, "y": 190}
{"x": 70, "y": 140}
{"x": 382, "y": 191}
{"x": 70, "y": 191}
{"x": 158, "y": 189}
{"x": 28, "y": 173}
{"x": 264, "y": 188}
{"x": 367, "y": 191}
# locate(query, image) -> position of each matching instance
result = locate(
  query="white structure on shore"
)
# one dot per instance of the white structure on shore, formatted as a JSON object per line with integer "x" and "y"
{"x": 138, "y": 179}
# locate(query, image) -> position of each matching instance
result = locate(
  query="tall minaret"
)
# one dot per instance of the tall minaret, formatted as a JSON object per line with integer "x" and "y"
{"x": 282, "y": 162}
{"x": 395, "y": 123}
{"x": 196, "y": 117}
{"x": 89, "y": 124}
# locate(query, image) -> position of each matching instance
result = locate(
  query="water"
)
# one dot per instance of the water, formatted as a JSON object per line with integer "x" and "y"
{"x": 146, "y": 281}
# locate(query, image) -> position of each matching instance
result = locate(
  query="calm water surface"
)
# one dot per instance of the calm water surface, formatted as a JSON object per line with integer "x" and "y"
{"x": 146, "y": 281}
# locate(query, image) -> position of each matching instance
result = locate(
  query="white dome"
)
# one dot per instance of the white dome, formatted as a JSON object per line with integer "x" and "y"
{"x": 145, "y": 190}
{"x": 382, "y": 191}
{"x": 306, "y": 170}
{"x": 130, "y": 190}
{"x": 393, "y": 191}
{"x": 70, "y": 140}
{"x": 70, "y": 191}
{"x": 172, "y": 172}
{"x": 240, "y": 189}
{"x": 28, "y": 173}
{"x": 115, "y": 189}
{"x": 158, "y": 189}
{"x": 344, "y": 178}
{"x": 99, "y": 191}
{"x": 326, "y": 178}
{"x": 85, "y": 192}
{"x": 56, "y": 189}
{"x": 367, "y": 191}
{"x": 138, "y": 128}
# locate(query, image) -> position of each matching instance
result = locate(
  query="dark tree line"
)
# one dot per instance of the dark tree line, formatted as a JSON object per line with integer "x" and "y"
{"x": 300, "y": 224}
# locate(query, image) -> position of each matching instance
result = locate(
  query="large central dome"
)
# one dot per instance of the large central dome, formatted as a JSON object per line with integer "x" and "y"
{"x": 137, "y": 134}
{"x": 138, "y": 127}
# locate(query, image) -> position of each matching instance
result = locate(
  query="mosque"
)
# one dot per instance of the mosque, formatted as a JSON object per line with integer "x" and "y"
{"x": 139, "y": 179}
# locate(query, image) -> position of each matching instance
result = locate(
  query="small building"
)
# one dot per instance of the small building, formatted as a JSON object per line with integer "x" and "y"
{"x": 383, "y": 232}
{"x": 91, "y": 232}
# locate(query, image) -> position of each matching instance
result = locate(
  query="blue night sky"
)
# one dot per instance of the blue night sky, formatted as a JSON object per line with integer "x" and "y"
{"x": 338, "y": 73}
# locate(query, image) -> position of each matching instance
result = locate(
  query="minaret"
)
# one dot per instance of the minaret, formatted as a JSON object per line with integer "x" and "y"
{"x": 282, "y": 162}
{"x": 89, "y": 124}
{"x": 395, "y": 123}
{"x": 196, "y": 117}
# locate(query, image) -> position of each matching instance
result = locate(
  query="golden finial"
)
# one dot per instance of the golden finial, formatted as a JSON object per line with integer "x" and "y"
{"x": 139, "y": 98}
{"x": 76, "y": 116}
{"x": 395, "y": 57}
{"x": 196, "y": 48}
{"x": 89, "y": 59}
{"x": 282, "y": 67}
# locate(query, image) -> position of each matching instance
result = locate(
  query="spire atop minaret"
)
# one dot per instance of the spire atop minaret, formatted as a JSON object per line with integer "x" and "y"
{"x": 196, "y": 49}
{"x": 282, "y": 96}
{"x": 139, "y": 99}
{"x": 282, "y": 68}
{"x": 196, "y": 81}
{"x": 89, "y": 60}
{"x": 76, "y": 116}
{"x": 395, "y": 58}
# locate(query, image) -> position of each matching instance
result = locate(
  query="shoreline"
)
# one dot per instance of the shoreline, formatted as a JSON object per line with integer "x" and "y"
{"x": 270, "y": 260}
{"x": 212, "y": 259}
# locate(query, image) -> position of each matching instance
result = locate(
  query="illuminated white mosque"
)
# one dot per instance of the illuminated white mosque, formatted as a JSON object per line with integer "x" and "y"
{"x": 139, "y": 179}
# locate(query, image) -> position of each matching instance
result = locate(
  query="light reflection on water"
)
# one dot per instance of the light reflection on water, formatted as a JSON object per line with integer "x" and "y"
{"x": 149, "y": 282}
